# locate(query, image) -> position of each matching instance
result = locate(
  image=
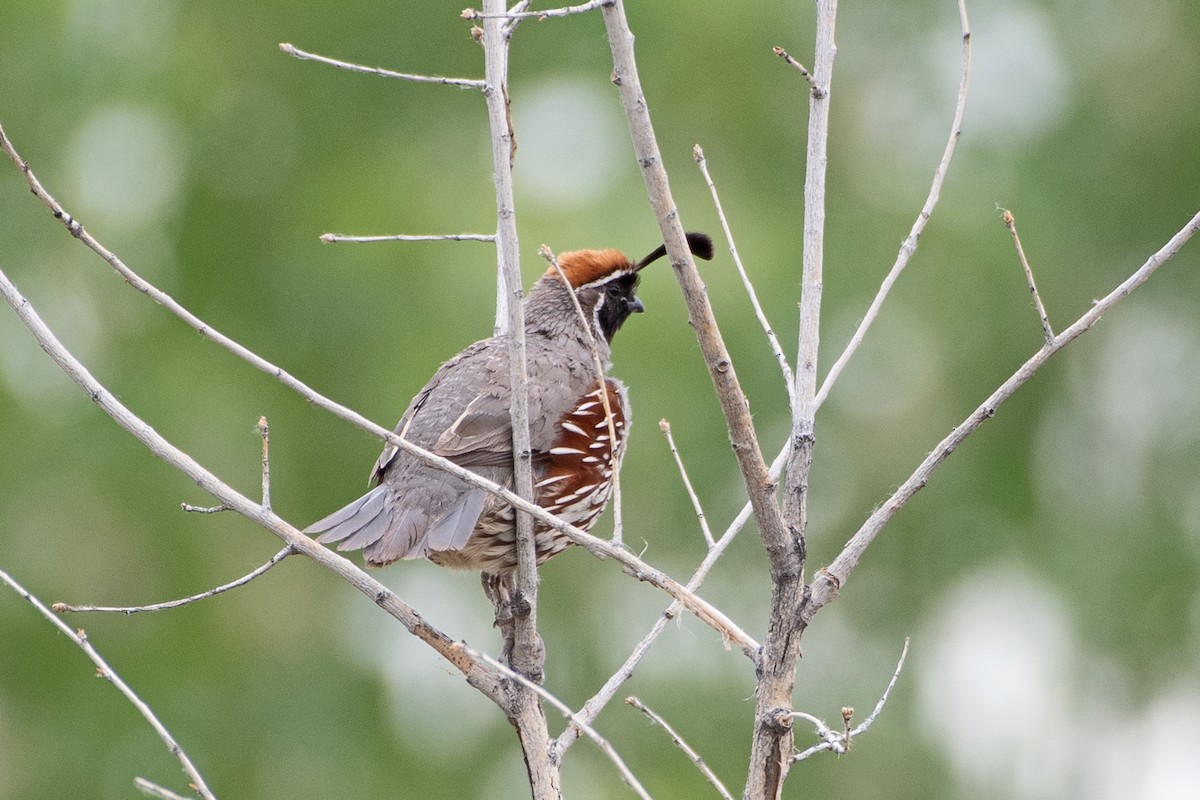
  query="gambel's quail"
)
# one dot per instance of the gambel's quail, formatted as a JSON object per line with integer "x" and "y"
{"x": 462, "y": 414}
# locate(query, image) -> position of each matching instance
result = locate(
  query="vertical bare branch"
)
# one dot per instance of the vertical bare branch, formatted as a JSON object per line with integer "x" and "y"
{"x": 264, "y": 430}
{"x": 526, "y": 654}
{"x": 772, "y": 741}
{"x": 909, "y": 245}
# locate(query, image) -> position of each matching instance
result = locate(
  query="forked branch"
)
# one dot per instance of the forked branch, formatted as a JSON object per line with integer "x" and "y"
{"x": 829, "y": 581}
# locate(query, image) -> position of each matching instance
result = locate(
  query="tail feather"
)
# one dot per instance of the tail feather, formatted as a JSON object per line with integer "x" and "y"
{"x": 384, "y": 533}
{"x": 367, "y": 512}
{"x": 403, "y": 539}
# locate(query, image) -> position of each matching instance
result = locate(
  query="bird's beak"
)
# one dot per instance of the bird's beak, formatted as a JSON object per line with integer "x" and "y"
{"x": 635, "y": 305}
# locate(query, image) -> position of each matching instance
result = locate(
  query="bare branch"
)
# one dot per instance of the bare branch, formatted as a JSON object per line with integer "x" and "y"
{"x": 64, "y": 608}
{"x": 295, "y": 52}
{"x": 682, "y": 745}
{"x": 154, "y": 790}
{"x": 604, "y": 745}
{"x": 665, "y": 427}
{"x": 909, "y": 245}
{"x": 334, "y": 238}
{"x": 839, "y": 742}
{"x": 265, "y": 431}
{"x": 1010, "y": 222}
{"x": 512, "y": 22}
{"x": 103, "y": 670}
{"x": 191, "y": 509}
{"x": 516, "y": 614}
{"x": 592, "y": 5}
{"x": 817, "y": 91}
{"x": 527, "y": 653}
{"x": 828, "y": 581}
{"x": 776, "y": 349}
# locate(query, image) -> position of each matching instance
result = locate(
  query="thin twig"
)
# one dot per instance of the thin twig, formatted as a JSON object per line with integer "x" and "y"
{"x": 665, "y": 427}
{"x": 154, "y": 790}
{"x": 817, "y": 91}
{"x": 601, "y": 548}
{"x": 514, "y": 21}
{"x": 470, "y": 13}
{"x": 295, "y": 52}
{"x": 103, "y": 670}
{"x": 64, "y": 608}
{"x": 585, "y": 324}
{"x": 776, "y": 349}
{"x": 334, "y": 238}
{"x": 682, "y": 745}
{"x": 604, "y": 745}
{"x": 909, "y": 246}
{"x": 265, "y": 431}
{"x": 191, "y": 509}
{"x": 839, "y": 741}
{"x": 221, "y": 508}
{"x": 1010, "y": 222}
{"x": 829, "y": 581}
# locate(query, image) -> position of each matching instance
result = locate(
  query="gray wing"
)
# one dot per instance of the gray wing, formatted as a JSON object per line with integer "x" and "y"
{"x": 463, "y": 415}
{"x": 416, "y": 509}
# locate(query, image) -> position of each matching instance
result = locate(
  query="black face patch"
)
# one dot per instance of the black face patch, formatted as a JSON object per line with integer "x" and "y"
{"x": 617, "y": 301}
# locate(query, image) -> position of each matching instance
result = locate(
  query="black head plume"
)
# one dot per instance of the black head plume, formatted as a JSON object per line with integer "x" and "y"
{"x": 699, "y": 243}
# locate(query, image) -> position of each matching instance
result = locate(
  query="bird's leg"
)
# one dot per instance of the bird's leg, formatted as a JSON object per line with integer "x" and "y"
{"x": 498, "y": 590}
{"x": 511, "y": 608}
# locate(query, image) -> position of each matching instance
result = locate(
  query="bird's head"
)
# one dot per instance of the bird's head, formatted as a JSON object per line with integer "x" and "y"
{"x": 605, "y": 283}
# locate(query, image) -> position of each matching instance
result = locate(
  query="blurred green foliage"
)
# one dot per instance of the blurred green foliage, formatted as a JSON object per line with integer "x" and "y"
{"x": 1048, "y": 575}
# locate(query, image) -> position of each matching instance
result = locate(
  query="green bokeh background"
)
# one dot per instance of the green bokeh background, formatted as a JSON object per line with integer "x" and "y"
{"x": 1048, "y": 576}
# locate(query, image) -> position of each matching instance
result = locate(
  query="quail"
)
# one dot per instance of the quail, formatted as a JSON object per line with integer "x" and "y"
{"x": 418, "y": 511}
